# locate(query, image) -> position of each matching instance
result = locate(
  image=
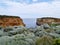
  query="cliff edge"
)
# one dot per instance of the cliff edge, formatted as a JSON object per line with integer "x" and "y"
{"x": 48, "y": 20}
{"x": 10, "y": 21}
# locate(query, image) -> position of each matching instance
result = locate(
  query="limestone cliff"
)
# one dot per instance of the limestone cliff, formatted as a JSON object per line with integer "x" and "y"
{"x": 47, "y": 20}
{"x": 10, "y": 21}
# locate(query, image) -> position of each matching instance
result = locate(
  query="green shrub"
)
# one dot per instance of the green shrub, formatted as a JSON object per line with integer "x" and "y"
{"x": 1, "y": 33}
{"x": 19, "y": 39}
{"x": 57, "y": 41}
{"x": 8, "y": 29}
{"x": 54, "y": 35}
{"x": 44, "y": 40}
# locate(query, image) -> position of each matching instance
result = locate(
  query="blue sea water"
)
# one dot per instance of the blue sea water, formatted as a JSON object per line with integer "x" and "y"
{"x": 30, "y": 22}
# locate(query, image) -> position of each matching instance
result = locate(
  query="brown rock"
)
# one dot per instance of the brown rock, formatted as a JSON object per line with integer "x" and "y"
{"x": 10, "y": 21}
{"x": 48, "y": 20}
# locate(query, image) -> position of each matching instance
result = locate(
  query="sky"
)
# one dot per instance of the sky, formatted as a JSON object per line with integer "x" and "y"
{"x": 30, "y": 8}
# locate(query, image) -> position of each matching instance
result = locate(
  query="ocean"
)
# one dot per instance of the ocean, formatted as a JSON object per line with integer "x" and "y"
{"x": 30, "y": 22}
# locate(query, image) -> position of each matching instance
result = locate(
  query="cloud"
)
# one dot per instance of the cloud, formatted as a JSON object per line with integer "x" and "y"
{"x": 34, "y": 0}
{"x": 56, "y": 0}
{"x": 32, "y": 10}
{"x": 30, "y": 1}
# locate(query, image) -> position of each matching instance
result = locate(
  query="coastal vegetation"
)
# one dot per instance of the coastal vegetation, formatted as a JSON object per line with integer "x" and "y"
{"x": 39, "y": 35}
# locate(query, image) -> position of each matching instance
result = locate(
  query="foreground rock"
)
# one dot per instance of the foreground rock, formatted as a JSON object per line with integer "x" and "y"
{"x": 48, "y": 20}
{"x": 10, "y": 21}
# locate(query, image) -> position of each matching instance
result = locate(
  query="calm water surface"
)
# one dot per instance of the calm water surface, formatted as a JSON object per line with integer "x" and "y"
{"x": 30, "y": 22}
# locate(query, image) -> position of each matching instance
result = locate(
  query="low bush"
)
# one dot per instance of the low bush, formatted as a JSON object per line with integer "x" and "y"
{"x": 57, "y": 41}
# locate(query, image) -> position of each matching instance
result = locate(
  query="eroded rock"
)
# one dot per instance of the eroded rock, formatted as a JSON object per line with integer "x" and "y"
{"x": 48, "y": 20}
{"x": 10, "y": 21}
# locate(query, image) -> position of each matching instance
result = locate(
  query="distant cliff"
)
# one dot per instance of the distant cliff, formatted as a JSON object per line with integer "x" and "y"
{"x": 48, "y": 20}
{"x": 10, "y": 21}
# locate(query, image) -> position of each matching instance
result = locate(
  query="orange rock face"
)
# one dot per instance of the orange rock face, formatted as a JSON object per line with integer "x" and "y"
{"x": 48, "y": 20}
{"x": 11, "y": 21}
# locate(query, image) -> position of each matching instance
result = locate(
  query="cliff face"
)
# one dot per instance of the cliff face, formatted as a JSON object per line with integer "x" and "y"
{"x": 11, "y": 21}
{"x": 48, "y": 20}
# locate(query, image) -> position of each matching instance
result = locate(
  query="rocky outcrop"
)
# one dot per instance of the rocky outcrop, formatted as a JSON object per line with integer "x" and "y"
{"x": 48, "y": 20}
{"x": 10, "y": 21}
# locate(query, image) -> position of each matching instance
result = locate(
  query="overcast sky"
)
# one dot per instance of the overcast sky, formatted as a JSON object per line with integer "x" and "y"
{"x": 30, "y": 8}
